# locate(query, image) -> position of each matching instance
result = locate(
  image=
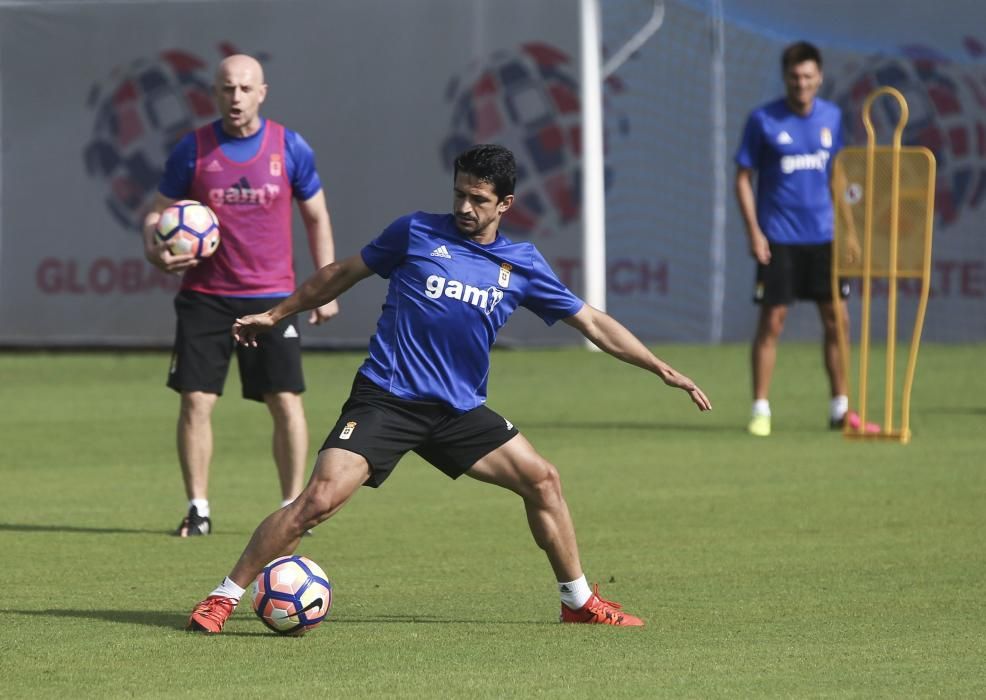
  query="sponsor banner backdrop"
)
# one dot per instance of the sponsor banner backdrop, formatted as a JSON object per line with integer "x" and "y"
{"x": 373, "y": 85}
{"x": 387, "y": 92}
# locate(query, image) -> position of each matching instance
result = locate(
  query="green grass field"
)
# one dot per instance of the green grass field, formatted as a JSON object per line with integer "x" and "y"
{"x": 801, "y": 565}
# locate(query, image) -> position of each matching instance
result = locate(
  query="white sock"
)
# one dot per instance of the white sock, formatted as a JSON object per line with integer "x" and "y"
{"x": 838, "y": 407}
{"x": 201, "y": 505}
{"x": 575, "y": 593}
{"x": 286, "y": 501}
{"x": 228, "y": 589}
{"x": 761, "y": 407}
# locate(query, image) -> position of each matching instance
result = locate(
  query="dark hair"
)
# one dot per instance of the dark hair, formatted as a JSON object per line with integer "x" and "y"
{"x": 799, "y": 52}
{"x": 490, "y": 163}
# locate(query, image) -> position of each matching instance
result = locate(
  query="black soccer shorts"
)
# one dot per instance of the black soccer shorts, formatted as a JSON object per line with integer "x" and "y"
{"x": 204, "y": 345}
{"x": 383, "y": 428}
{"x": 796, "y": 272}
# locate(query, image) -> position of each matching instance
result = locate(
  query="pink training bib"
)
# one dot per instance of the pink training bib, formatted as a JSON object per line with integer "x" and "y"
{"x": 253, "y": 202}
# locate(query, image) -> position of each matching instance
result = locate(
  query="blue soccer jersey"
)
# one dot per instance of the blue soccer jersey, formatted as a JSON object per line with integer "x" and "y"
{"x": 446, "y": 300}
{"x": 298, "y": 156}
{"x": 792, "y": 155}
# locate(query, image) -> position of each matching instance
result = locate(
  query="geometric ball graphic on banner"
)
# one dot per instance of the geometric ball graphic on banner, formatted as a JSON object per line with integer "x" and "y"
{"x": 527, "y": 100}
{"x": 188, "y": 227}
{"x": 291, "y": 595}
{"x": 945, "y": 116}
{"x": 141, "y": 112}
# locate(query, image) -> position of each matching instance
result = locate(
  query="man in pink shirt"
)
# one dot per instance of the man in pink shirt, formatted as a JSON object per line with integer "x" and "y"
{"x": 247, "y": 169}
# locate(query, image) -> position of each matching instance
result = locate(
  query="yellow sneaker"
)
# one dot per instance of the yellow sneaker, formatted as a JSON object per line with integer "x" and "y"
{"x": 759, "y": 426}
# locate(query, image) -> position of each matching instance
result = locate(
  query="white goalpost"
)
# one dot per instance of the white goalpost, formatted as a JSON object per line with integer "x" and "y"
{"x": 593, "y": 73}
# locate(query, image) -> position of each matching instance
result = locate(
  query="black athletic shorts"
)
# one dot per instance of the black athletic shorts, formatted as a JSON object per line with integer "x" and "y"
{"x": 383, "y": 428}
{"x": 796, "y": 272}
{"x": 204, "y": 344}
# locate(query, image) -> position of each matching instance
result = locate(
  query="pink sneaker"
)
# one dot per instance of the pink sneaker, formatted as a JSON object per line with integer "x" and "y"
{"x": 854, "y": 421}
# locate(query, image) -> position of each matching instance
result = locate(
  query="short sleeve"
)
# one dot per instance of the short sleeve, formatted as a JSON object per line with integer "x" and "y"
{"x": 748, "y": 153}
{"x": 386, "y": 251}
{"x": 546, "y": 295}
{"x": 305, "y": 182}
{"x": 176, "y": 181}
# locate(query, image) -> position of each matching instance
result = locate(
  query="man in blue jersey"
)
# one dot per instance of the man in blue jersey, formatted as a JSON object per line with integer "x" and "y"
{"x": 248, "y": 169}
{"x": 790, "y": 144}
{"x": 454, "y": 281}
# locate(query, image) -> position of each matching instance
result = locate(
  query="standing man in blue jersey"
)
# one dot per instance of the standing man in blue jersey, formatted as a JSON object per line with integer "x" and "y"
{"x": 248, "y": 169}
{"x": 790, "y": 144}
{"x": 454, "y": 281}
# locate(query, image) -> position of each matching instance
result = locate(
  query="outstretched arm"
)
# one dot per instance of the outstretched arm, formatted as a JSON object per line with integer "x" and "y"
{"x": 612, "y": 337}
{"x": 323, "y": 286}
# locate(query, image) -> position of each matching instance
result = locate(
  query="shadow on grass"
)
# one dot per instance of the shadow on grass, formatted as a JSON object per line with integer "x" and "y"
{"x": 398, "y": 620}
{"x": 151, "y": 618}
{"x": 37, "y": 527}
{"x": 40, "y": 527}
{"x": 176, "y": 620}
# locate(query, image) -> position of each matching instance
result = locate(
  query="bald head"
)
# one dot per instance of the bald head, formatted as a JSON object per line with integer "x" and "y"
{"x": 240, "y": 90}
{"x": 240, "y": 65}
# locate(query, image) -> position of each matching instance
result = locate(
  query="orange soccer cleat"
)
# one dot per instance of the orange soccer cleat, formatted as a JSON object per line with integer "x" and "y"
{"x": 211, "y": 614}
{"x": 598, "y": 611}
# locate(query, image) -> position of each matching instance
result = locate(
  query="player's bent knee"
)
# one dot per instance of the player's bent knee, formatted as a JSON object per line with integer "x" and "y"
{"x": 544, "y": 483}
{"x": 321, "y": 499}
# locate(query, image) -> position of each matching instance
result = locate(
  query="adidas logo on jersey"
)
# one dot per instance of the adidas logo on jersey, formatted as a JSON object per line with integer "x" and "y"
{"x": 486, "y": 299}
{"x": 441, "y": 252}
{"x": 784, "y": 138}
{"x": 214, "y": 166}
{"x": 291, "y": 331}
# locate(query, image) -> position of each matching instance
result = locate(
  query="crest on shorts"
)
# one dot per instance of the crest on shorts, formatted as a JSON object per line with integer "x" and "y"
{"x": 347, "y": 431}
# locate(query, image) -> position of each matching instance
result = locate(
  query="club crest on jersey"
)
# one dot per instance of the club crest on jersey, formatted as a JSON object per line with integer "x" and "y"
{"x": 437, "y": 286}
{"x": 504, "y": 280}
{"x": 275, "y": 164}
{"x": 826, "y": 137}
{"x": 347, "y": 431}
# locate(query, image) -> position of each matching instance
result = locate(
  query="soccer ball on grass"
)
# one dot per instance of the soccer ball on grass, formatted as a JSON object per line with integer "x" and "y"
{"x": 188, "y": 226}
{"x": 291, "y": 595}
